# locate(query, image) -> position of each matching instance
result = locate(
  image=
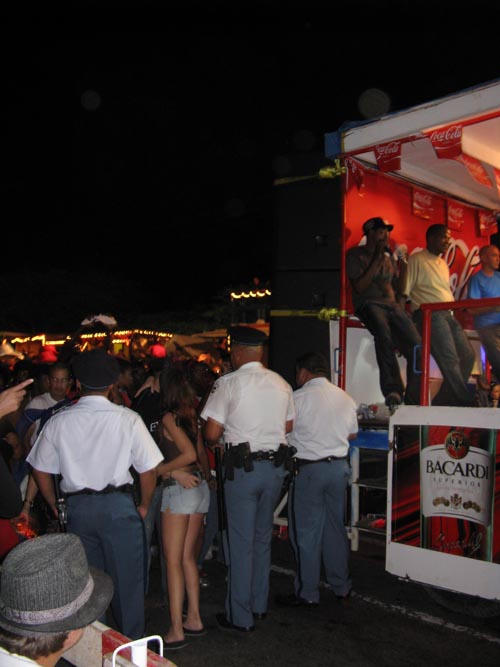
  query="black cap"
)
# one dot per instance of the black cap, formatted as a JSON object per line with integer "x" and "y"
{"x": 96, "y": 369}
{"x": 376, "y": 223}
{"x": 246, "y": 336}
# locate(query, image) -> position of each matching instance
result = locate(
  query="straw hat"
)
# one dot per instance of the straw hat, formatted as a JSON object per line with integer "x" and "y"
{"x": 6, "y": 350}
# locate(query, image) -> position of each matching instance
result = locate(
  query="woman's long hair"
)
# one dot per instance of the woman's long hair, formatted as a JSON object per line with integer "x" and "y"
{"x": 178, "y": 397}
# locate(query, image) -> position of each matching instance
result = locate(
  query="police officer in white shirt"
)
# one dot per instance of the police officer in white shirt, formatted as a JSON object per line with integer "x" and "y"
{"x": 252, "y": 409}
{"x": 325, "y": 421}
{"x": 92, "y": 444}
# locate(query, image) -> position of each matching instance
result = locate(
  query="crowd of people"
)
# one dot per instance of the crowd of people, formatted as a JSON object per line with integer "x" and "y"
{"x": 129, "y": 474}
{"x": 101, "y": 463}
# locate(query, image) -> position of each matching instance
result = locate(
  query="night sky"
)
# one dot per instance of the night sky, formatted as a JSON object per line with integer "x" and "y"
{"x": 147, "y": 158}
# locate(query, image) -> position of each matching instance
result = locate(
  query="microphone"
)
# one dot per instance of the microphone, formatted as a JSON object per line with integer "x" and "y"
{"x": 401, "y": 252}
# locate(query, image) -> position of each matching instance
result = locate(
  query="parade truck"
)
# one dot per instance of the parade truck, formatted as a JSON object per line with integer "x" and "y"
{"x": 438, "y": 162}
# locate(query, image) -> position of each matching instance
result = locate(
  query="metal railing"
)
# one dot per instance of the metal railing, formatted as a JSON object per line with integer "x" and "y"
{"x": 427, "y": 310}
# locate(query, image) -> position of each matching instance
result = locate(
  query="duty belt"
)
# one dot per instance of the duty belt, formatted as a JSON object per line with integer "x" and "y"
{"x": 263, "y": 455}
{"x": 125, "y": 488}
{"x": 303, "y": 462}
{"x": 241, "y": 456}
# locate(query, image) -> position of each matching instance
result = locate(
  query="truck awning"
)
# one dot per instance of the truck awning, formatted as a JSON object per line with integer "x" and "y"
{"x": 451, "y": 145}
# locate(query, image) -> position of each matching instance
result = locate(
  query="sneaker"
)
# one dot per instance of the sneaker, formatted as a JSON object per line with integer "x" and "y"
{"x": 393, "y": 399}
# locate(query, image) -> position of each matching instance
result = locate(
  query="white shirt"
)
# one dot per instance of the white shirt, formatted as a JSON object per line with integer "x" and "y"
{"x": 8, "y": 659}
{"x": 42, "y": 402}
{"x": 253, "y": 404}
{"x": 93, "y": 443}
{"x": 325, "y": 416}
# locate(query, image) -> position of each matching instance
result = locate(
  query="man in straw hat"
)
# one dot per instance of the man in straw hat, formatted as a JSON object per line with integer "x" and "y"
{"x": 48, "y": 596}
{"x": 8, "y": 355}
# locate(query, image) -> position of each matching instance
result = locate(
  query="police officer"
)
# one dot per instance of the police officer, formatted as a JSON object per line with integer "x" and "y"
{"x": 252, "y": 409}
{"x": 92, "y": 444}
{"x": 325, "y": 420}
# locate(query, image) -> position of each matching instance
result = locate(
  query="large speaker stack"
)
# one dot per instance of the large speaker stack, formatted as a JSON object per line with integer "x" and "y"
{"x": 306, "y": 277}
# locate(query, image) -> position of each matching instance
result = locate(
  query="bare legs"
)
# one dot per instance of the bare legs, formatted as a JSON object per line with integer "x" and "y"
{"x": 180, "y": 534}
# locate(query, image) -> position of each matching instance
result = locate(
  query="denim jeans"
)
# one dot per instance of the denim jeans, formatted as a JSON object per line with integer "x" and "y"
{"x": 392, "y": 328}
{"x": 490, "y": 340}
{"x": 454, "y": 355}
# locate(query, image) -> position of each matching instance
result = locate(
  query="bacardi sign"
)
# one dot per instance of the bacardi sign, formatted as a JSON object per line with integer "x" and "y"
{"x": 456, "y": 480}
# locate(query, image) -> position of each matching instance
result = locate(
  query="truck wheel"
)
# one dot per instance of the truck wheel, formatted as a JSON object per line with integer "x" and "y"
{"x": 464, "y": 604}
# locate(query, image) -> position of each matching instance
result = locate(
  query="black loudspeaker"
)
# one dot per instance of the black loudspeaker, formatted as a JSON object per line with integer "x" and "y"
{"x": 305, "y": 290}
{"x": 289, "y": 337}
{"x": 306, "y": 276}
{"x": 307, "y": 225}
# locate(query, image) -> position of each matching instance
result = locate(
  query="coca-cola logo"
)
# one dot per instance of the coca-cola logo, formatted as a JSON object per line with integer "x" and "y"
{"x": 456, "y": 212}
{"x": 458, "y": 282}
{"x": 452, "y": 133}
{"x": 487, "y": 218}
{"x": 392, "y": 148}
{"x": 423, "y": 198}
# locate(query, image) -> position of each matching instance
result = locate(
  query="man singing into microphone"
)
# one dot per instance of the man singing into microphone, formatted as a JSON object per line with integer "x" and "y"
{"x": 373, "y": 274}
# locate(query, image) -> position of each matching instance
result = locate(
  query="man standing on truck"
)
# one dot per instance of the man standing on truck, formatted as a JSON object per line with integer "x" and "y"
{"x": 373, "y": 275}
{"x": 483, "y": 285}
{"x": 427, "y": 280}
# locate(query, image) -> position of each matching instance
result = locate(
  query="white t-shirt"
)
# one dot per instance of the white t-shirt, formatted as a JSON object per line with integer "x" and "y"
{"x": 325, "y": 416}
{"x": 253, "y": 404}
{"x": 42, "y": 402}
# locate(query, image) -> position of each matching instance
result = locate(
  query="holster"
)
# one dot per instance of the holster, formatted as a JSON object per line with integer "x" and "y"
{"x": 238, "y": 456}
{"x": 62, "y": 514}
{"x": 228, "y": 462}
{"x": 62, "y": 510}
{"x": 284, "y": 457}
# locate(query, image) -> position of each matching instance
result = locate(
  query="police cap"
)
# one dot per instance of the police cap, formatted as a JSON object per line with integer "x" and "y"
{"x": 246, "y": 336}
{"x": 96, "y": 369}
